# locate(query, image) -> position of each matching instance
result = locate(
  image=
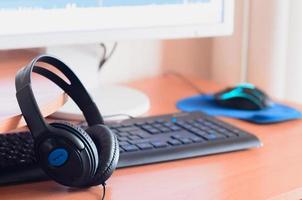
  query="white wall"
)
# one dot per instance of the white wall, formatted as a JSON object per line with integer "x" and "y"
{"x": 188, "y": 57}
{"x": 267, "y": 45}
{"x": 275, "y": 56}
{"x": 294, "y": 57}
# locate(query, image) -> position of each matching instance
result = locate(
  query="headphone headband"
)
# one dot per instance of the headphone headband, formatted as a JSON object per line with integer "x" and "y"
{"x": 75, "y": 90}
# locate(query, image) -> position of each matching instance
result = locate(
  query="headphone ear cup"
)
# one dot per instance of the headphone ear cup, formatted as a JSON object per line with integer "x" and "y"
{"x": 78, "y": 132}
{"x": 108, "y": 150}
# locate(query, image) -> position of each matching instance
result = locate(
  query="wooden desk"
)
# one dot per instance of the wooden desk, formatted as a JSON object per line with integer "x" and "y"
{"x": 255, "y": 174}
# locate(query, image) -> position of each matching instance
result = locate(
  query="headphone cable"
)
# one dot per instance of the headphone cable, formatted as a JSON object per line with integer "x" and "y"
{"x": 106, "y": 57}
{"x": 104, "y": 191}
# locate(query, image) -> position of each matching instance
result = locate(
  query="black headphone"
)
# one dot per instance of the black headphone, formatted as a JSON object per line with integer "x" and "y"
{"x": 68, "y": 154}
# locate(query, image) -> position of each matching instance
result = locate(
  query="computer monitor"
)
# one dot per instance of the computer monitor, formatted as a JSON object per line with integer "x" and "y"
{"x": 40, "y": 23}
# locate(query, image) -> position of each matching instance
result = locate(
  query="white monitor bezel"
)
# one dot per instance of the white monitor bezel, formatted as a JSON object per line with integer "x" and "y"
{"x": 39, "y": 28}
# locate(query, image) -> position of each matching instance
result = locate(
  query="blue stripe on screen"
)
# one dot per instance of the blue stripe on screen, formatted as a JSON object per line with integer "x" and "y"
{"x": 15, "y": 4}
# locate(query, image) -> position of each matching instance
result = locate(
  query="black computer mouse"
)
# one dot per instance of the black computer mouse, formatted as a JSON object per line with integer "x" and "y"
{"x": 243, "y": 97}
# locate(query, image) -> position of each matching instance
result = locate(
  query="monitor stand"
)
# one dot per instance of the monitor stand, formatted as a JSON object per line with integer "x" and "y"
{"x": 111, "y": 99}
{"x": 114, "y": 101}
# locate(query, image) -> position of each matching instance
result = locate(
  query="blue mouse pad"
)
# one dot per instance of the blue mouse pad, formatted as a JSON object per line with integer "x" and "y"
{"x": 273, "y": 114}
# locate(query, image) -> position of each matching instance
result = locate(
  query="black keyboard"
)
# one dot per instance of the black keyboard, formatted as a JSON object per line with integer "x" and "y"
{"x": 141, "y": 140}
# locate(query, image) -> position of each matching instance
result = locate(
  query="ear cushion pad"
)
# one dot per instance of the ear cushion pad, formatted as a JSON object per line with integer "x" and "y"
{"x": 85, "y": 138}
{"x": 107, "y": 146}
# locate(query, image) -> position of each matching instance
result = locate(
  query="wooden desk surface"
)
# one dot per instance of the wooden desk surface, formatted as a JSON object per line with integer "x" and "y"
{"x": 256, "y": 174}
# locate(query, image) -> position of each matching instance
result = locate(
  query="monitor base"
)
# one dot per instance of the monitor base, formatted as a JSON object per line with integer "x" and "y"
{"x": 111, "y": 100}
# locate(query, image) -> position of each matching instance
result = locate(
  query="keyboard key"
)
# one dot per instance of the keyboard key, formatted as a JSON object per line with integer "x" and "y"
{"x": 134, "y": 137}
{"x": 158, "y": 126}
{"x": 194, "y": 130}
{"x": 196, "y": 124}
{"x": 174, "y": 142}
{"x": 201, "y": 133}
{"x": 209, "y": 137}
{"x": 163, "y": 130}
{"x": 141, "y": 133}
{"x": 175, "y": 128}
{"x": 145, "y": 146}
{"x": 227, "y": 133}
{"x": 139, "y": 141}
{"x": 123, "y": 134}
{"x": 168, "y": 124}
{"x": 214, "y": 136}
{"x": 112, "y": 126}
{"x": 197, "y": 139}
{"x": 115, "y": 131}
{"x": 187, "y": 126}
{"x": 237, "y": 131}
{"x": 153, "y": 131}
{"x": 204, "y": 128}
{"x": 180, "y": 123}
{"x": 146, "y": 127}
{"x": 128, "y": 129}
{"x": 130, "y": 148}
{"x": 120, "y": 139}
{"x": 174, "y": 119}
{"x": 185, "y": 140}
{"x": 176, "y": 136}
{"x": 160, "y": 120}
{"x": 140, "y": 123}
{"x": 150, "y": 121}
{"x": 123, "y": 143}
{"x": 159, "y": 144}
{"x": 190, "y": 121}
{"x": 200, "y": 120}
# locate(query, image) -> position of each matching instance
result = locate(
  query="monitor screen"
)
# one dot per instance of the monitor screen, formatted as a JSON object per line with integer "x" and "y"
{"x": 34, "y": 23}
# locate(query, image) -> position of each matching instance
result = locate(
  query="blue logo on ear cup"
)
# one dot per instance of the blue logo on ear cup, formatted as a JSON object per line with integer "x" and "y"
{"x": 57, "y": 157}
